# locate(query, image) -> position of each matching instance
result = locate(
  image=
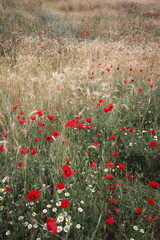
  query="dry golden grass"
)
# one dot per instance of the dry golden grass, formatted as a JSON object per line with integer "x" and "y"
{"x": 56, "y": 79}
{"x": 60, "y": 75}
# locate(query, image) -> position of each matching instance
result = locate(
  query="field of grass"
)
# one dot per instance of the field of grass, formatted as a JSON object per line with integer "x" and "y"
{"x": 80, "y": 120}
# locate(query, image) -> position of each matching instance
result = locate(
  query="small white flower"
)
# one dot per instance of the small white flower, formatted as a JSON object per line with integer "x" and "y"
{"x": 136, "y": 228}
{"x": 44, "y": 210}
{"x": 59, "y": 229}
{"x": 54, "y": 209}
{"x": 141, "y": 230}
{"x": 80, "y": 209}
{"x": 60, "y": 219}
{"x": 82, "y": 202}
{"x": 1, "y": 190}
{"x": 51, "y": 201}
{"x": 58, "y": 204}
{"x": 25, "y": 224}
{"x": 68, "y": 223}
{"x": 38, "y": 238}
{"x": 78, "y": 226}
{"x": 155, "y": 137}
{"x": 49, "y": 206}
{"x": 93, "y": 190}
{"x": 35, "y": 225}
{"x": 66, "y": 228}
{"x": 106, "y": 170}
{"x": 67, "y": 194}
{"x": 130, "y": 144}
{"x": 34, "y": 214}
{"x": 29, "y": 226}
{"x": 31, "y": 203}
{"x": 68, "y": 218}
{"x": 132, "y": 239}
{"x": 1, "y": 198}
{"x": 59, "y": 191}
{"x": 20, "y": 218}
{"x": 8, "y": 232}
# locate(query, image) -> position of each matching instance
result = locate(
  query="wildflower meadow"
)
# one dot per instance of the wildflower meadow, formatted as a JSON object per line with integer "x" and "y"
{"x": 80, "y": 120}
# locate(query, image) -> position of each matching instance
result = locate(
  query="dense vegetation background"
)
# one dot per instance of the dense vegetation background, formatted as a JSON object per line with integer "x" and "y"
{"x": 80, "y": 119}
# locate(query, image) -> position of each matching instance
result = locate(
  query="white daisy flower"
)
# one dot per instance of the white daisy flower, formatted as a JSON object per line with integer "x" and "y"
{"x": 66, "y": 228}
{"x": 54, "y": 209}
{"x": 44, "y": 210}
{"x": 80, "y": 209}
{"x": 29, "y": 226}
{"x": 78, "y": 226}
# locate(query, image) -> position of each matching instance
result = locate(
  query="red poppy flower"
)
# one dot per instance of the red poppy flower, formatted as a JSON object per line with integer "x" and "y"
{"x": 49, "y": 138}
{"x": 149, "y": 219}
{"x": 21, "y": 112}
{"x": 110, "y": 106}
{"x": 65, "y": 203}
{"x": 68, "y": 160}
{"x": 55, "y": 134}
{"x": 96, "y": 143}
{"x": 88, "y": 127}
{"x": 24, "y": 150}
{"x": 106, "y": 109}
{"x": 100, "y": 100}
{"x": 20, "y": 164}
{"x": 112, "y": 200}
{"x": 51, "y": 225}
{"x": 131, "y": 130}
{"x": 40, "y": 113}
{"x": 67, "y": 172}
{"x": 50, "y": 118}
{"x": 115, "y": 154}
{"x": 98, "y": 134}
{"x": 139, "y": 211}
{"x": 33, "y": 195}
{"x": 21, "y": 121}
{"x": 8, "y": 189}
{"x": 154, "y": 184}
{"x": 80, "y": 126}
{"x": 5, "y": 134}
{"x": 112, "y": 137}
{"x": 41, "y": 124}
{"x": 110, "y": 220}
{"x": 60, "y": 185}
{"x": 94, "y": 164}
{"x": 121, "y": 166}
{"x": 37, "y": 139}
{"x": 153, "y": 144}
{"x": 108, "y": 176}
{"x": 15, "y": 107}
{"x": 123, "y": 129}
{"x": 153, "y": 132}
{"x": 88, "y": 120}
{"x": 110, "y": 164}
{"x": 151, "y": 201}
{"x": 33, "y": 151}
{"x": 33, "y": 118}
